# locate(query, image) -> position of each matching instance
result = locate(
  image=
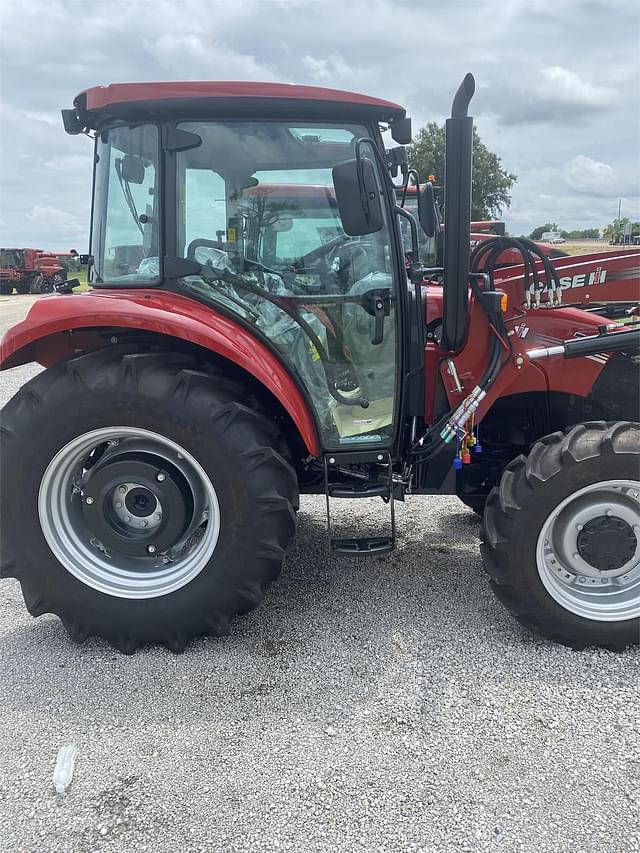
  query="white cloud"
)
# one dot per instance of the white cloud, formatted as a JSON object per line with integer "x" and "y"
{"x": 556, "y": 82}
{"x": 590, "y": 177}
{"x": 563, "y": 86}
{"x": 204, "y": 59}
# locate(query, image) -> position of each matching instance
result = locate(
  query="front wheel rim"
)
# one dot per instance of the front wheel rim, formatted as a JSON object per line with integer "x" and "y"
{"x": 588, "y": 552}
{"x": 129, "y": 512}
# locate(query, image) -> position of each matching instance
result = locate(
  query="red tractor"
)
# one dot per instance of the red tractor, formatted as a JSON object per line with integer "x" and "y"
{"x": 234, "y": 354}
{"x": 32, "y": 270}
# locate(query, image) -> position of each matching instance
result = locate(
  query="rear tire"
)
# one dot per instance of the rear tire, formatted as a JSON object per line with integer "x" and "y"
{"x": 201, "y": 411}
{"x": 534, "y": 537}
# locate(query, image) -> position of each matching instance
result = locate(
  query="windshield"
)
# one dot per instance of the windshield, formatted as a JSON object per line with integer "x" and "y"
{"x": 125, "y": 222}
{"x": 257, "y": 210}
{"x": 12, "y": 259}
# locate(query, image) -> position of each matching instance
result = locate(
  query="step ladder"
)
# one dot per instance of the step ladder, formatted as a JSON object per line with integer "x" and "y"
{"x": 381, "y": 486}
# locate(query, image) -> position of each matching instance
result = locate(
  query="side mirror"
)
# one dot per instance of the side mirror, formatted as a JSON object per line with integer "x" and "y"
{"x": 427, "y": 210}
{"x": 401, "y": 131}
{"x": 73, "y": 253}
{"x": 132, "y": 169}
{"x": 72, "y": 123}
{"x": 358, "y": 197}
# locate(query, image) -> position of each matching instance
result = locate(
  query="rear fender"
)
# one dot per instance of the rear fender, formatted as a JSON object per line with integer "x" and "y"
{"x": 64, "y": 325}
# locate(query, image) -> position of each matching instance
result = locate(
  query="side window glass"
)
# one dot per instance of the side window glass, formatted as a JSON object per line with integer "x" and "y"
{"x": 203, "y": 208}
{"x": 258, "y": 212}
{"x": 125, "y": 237}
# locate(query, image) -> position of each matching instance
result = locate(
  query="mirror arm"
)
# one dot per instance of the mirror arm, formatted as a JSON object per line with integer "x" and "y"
{"x": 400, "y": 211}
{"x": 382, "y": 163}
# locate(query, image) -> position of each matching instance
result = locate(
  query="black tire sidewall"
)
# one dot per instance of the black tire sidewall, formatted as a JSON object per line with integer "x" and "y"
{"x": 216, "y": 448}
{"x": 527, "y": 525}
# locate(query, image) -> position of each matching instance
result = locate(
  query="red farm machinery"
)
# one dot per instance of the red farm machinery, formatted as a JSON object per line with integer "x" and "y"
{"x": 254, "y": 333}
{"x": 32, "y": 270}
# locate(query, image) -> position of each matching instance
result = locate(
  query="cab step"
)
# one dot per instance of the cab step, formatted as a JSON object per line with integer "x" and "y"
{"x": 368, "y": 545}
{"x": 381, "y": 485}
{"x": 365, "y": 489}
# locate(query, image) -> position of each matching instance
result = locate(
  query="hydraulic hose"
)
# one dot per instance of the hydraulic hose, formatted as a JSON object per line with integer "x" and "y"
{"x": 485, "y": 256}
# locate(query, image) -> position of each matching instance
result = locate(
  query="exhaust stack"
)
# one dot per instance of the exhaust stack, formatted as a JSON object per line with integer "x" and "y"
{"x": 457, "y": 216}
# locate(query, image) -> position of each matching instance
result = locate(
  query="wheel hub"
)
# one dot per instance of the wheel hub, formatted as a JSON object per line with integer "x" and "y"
{"x": 120, "y": 503}
{"x": 588, "y": 551}
{"x": 129, "y": 512}
{"x": 607, "y": 542}
{"x": 141, "y": 502}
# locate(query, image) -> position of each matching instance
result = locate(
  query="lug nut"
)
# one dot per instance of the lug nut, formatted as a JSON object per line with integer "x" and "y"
{"x": 143, "y": 523}
{"x": 158, "y": 516}
{"x": 122, "y": 489}
{"x": 151, "y": 549}
{"x": 89, "y": 500}
{"x": 127, "y": 518}
{"x": 579, "y": 526}
{"x": 118, "y": 504}
{"x": 161, "y": 477}
{"x": 609, "y": 513}
{"x": 576, "y": 556}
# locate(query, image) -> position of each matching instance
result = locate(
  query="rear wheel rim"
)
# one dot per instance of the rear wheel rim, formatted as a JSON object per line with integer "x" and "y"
{"x": 129, "y": 512}
{"x": 588, "y": 552}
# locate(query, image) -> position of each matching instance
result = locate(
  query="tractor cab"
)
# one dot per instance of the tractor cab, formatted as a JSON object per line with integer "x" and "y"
{"x": 12, "y": 259}
{"x": 245, "y": 216}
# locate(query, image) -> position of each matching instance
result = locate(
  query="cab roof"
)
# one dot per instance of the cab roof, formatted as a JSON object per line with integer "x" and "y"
{"x": 127, "y": 100}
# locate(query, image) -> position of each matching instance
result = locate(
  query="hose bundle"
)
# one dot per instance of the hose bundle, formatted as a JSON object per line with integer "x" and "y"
{"x": 484, "y": 258}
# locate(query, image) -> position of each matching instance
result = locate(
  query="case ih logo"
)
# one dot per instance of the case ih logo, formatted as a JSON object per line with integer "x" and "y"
{"x": 585, "y": 279}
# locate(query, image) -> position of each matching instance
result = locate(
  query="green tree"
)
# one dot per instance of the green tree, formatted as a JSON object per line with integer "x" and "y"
{"x": 616, "y": 228}
{"x": 582, "y": 234}
{"x": 491, "y": 183}
{"x": 537, "y": 233}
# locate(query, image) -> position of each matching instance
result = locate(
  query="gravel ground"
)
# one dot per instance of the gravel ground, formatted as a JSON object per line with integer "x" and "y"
{"x": 380, "y": 705}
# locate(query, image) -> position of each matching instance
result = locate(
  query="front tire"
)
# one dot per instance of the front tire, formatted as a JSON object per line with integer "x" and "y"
{"x": 561, "y": 536}
{"x": 39, "y": 284}
{"x": 476, "y": 503}
{"x": 112, "y": 419}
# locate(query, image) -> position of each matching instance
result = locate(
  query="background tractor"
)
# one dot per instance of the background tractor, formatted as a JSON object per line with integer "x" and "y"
{"x": 32, "y": 270}
{"x": 253, "y": 332}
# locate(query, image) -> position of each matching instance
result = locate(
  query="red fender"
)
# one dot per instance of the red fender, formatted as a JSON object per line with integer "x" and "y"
{"x": 43, "y": 337}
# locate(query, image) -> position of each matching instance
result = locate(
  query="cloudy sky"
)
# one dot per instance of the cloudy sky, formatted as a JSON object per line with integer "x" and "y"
{"x": 558, "y": 91}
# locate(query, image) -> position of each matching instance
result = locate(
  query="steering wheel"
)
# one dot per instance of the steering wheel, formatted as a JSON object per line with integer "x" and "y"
{"x": 209, "y": 244}
{"x": 325, "y": 248}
